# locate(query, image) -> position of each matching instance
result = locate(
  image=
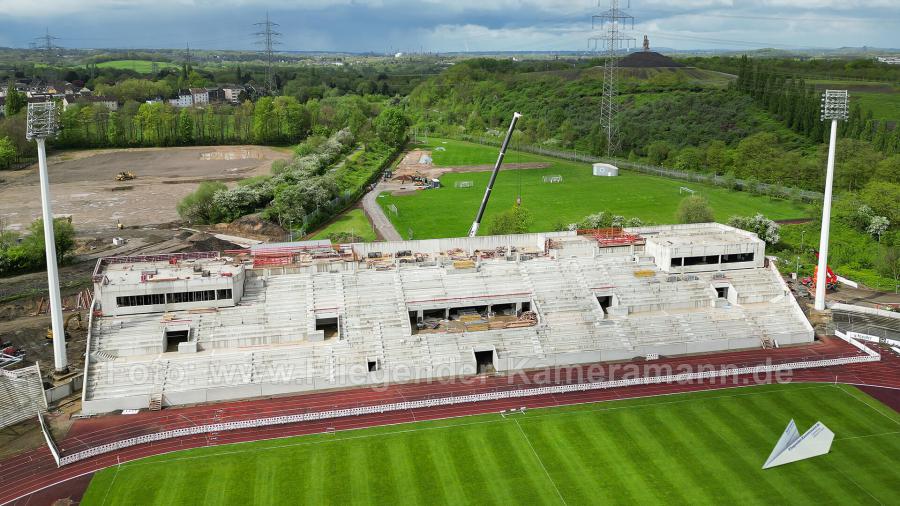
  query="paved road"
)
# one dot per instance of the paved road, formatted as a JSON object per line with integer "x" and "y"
{"x": 382, "y": 224}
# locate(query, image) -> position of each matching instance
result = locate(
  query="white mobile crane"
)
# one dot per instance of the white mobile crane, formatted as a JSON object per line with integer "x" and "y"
{"x": 487, "y": 192}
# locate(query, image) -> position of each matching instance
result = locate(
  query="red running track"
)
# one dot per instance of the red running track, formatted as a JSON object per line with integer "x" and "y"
{"x": 34, "y": 470}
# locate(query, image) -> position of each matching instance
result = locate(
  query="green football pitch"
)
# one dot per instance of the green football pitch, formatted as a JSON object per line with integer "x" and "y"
{"x": 697, "y": 448}
{"x": 449, "y": 211}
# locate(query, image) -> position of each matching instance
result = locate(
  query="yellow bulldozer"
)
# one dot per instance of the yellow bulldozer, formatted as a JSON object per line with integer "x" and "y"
{"x": 125, "y": 175}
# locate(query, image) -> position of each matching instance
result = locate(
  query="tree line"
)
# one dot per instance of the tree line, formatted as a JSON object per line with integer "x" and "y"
{"x": 798, "y": 106}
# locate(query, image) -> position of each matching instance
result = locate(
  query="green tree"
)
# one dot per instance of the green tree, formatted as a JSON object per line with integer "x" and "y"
{"x": 694, "y": 209}
{"x": 15, "y": 100}
{"x": 7, "y": 152}
{"x": 198, "y": 207}
{"x": 658, "y": 152}
{"x": 391, "y": 125}
{"x": 888, "y": 169}
{"x": 690, "y": 159}
{"x": 718, "y": 157}
{"x": 884, "y": 199}
{"x": 512, "y": 221}
{"x": 854, "y": 162}
{"x": 185, "y": 127}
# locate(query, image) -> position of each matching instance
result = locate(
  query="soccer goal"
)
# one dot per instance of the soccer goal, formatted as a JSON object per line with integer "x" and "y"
{"x": 464, "y": 184}
{"x": 553, "y": 179}
{"x": 393, "y": 208}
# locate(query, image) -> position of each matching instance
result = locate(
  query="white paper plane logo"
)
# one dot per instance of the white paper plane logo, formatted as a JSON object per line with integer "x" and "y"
{"x": 793, "y": 447}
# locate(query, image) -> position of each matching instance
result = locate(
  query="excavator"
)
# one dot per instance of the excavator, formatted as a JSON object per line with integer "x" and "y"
{"x": 76, "y": 317}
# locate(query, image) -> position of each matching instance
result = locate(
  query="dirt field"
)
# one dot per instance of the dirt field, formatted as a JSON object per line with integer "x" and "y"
{"x": 83, "y": 183}
{"x": 410, "y": 166}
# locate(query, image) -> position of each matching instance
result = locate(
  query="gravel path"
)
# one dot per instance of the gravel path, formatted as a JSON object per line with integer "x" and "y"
{"x": 376, "y": 214}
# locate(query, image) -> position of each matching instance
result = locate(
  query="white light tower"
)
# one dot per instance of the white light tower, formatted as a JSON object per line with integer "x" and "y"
{"x": 42, "y": 123}
{"x": 835, "y": 107}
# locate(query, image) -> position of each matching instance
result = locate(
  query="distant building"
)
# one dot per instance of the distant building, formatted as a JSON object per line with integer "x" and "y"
{"x": 216, "y": 95}
{"x": 233, "y": 93}
{"x": 892, "y": 60}
{"x": 108, "y": 102}
{"x": 184, "y": 99}
{"x": 200, "y": 96}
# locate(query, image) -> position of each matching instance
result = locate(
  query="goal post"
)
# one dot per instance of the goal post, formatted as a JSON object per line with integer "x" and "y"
{"x": 553, "y": 179}
{"x": 464, "y": 184}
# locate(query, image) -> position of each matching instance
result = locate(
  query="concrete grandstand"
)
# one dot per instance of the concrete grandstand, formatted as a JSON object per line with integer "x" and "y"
{"x": 191, "y": 328}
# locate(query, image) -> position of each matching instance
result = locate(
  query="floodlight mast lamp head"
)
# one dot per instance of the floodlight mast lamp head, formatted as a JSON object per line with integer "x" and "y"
{"x": 835, "y": 105}
{"x": 42, "y": 120}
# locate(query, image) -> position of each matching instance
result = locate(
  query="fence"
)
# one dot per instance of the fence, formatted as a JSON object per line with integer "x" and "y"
{"x": 21, "y": 394}
{"x": 870, "y": 356}
{"x": 773, "y": 190}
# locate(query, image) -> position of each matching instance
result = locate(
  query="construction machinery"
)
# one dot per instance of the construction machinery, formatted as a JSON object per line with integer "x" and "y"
{"x": 487, "y": 192}
{"x": 125, "y": 175}
{"x": 831, "y": 279}
{"x": 76, "y": 317}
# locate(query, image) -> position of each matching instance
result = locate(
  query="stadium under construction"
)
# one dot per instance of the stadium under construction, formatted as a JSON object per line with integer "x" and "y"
{"x": 284, "y": 318}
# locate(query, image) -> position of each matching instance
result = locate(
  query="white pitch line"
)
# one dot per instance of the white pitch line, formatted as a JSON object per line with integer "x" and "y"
{"x": 869, "y": 405}
{"x": 541, "y": 462}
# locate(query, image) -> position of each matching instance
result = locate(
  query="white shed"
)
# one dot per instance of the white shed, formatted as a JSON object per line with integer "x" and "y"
{"x": 605, "y": 169}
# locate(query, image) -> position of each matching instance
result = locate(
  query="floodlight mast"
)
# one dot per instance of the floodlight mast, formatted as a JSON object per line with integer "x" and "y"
{"x": 835, "y": 107}
{"x": 42, "y": 123}
{"x": 487, "y": 192}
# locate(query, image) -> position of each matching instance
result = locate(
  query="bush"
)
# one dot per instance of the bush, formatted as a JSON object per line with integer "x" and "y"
{"x": 694, "y": 209}
{"x": 764, "y": 228}
{"x": 512, "y": 221}
{"x": 26, "y": 255}
{"x": 199, "y": 206}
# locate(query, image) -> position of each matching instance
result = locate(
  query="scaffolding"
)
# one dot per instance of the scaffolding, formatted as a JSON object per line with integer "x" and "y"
{"x": 612, "y": 236}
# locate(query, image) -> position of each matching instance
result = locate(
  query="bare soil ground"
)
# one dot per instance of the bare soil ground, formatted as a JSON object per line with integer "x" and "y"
{"x": 83, "y": 183}
{"x": 410, "y": 166}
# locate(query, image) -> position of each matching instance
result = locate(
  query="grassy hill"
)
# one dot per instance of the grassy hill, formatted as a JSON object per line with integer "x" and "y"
{"x": 697, "y": 448}
{"x": 142, "y": 66}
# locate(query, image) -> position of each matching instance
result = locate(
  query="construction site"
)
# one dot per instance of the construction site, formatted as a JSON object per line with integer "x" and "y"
{"x": 291, "y": 317}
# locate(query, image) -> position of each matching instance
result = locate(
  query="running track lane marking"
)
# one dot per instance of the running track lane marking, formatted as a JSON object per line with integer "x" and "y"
{"x": 541, "y": 462}
{"x": 450, "y": 426}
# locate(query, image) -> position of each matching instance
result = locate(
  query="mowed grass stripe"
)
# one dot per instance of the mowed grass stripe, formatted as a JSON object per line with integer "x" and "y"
{"x": 769, "y": 413}
{"x": 702, "y": 428}
{"x": 658, "y": 476}
{"x": 552, "y": 441}
{"x": 695, "y": 448}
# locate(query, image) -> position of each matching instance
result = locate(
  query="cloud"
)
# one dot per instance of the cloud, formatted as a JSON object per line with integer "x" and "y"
{"x": 379, "y": 25}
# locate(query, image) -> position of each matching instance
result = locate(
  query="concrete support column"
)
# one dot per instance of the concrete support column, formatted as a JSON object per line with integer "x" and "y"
{"x": 826, "y": 222}
{"x": 60, "y": 362}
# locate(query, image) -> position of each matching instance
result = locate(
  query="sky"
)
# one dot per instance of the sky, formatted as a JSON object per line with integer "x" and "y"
{"x": 449, "y": 25}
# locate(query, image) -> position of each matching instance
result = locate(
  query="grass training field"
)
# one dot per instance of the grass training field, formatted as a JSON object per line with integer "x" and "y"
{"x": 697, "y": 448}
{"x": 142, "y": 66}
{"x": 353, "y": 222}
{"x": 449, "y": 211}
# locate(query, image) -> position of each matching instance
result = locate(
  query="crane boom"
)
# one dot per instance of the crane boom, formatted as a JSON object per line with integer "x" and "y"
{"x": 487, "y": 192}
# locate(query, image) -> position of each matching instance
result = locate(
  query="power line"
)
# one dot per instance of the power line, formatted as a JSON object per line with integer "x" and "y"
{"x": 611, "y": 42}
{"x": 46, "y": 44}
{"x": 268, "y": 38}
